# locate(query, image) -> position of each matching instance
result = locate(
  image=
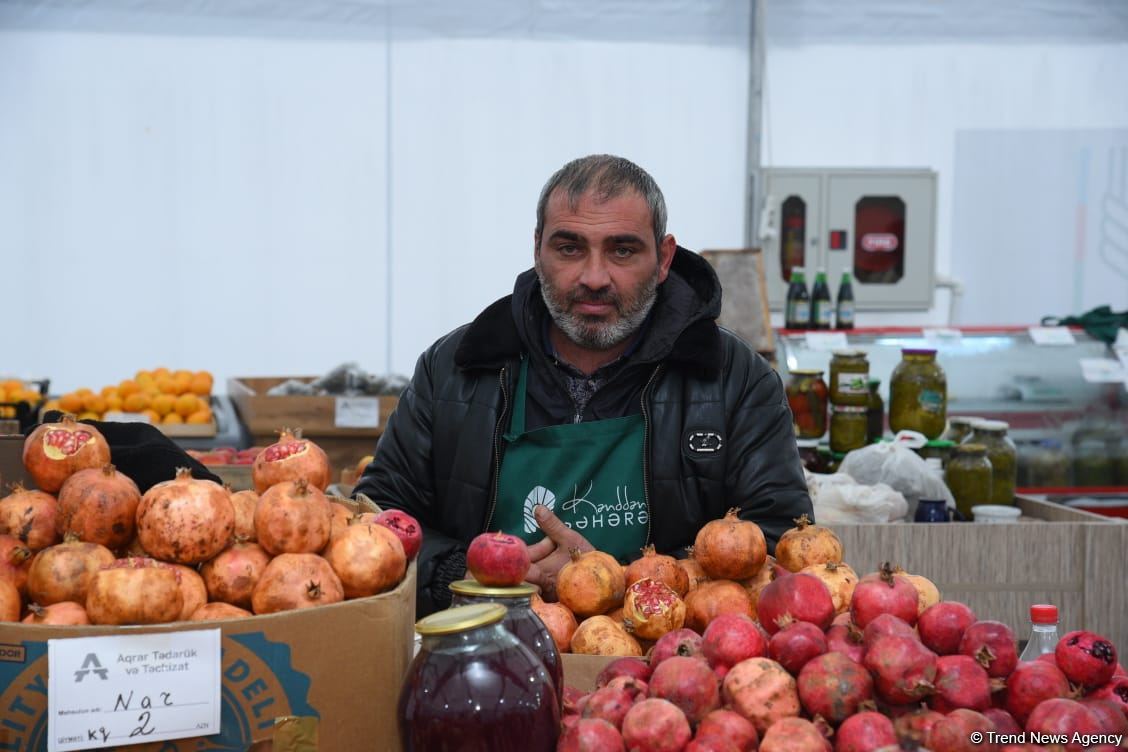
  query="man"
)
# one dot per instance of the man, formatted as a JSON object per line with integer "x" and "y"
{"x": 599, "y": 405}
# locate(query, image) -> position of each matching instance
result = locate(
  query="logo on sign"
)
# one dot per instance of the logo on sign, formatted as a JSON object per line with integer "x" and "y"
{"x": 91, "y": 664}
{"x": 879, "y": 242}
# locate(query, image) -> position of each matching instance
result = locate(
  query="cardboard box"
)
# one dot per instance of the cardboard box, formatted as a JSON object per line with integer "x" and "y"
{"x": 264, "y": 415}
{"x": 340, "y": 664}
{"x": 580, "y": 670}
{"x": 11, "y": 463}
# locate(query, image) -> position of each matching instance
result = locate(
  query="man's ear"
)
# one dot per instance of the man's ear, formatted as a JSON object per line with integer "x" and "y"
{"x": 666, "y": 251}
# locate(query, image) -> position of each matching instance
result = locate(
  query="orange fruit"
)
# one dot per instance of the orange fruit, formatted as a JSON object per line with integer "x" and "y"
{"x": 181, "y": 373}
{"x": 144, "y": 377}
{"x": 94, "y": 403}
{"x": 70, "y": 403}
{"x": 163, "y": 404}
{"x": 152, "y": 416}
{"x": 83, "y": 391}
{"x": 165, "y": 384}
{"x": 128, "y": 387}
{"x": 182, "y": 382}
{"x": 162, "y": 371}
{"x": 201, "y": 383}
{"x": 106, "y": 391}
{"x": 11, "y": 385}
{"x": 113, "y": 402}
{"x": 4, "y": 394}
{"x": 51, "y": 405}
{"x": 172, "y": 418}
{"x": 136, "y": 403}
{"x": 200, "y": 417}
{"x": 186, "y": 404}
{"x": 88, "y": 415}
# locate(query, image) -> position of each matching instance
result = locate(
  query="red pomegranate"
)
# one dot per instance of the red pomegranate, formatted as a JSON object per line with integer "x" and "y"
{"x": 917, "y": 725}
{"x": 589, "y": 734}
{"x": 762, "y": 691}
{"x": 30, "y": 516}
{"x": 732, "y": 638}
{"x": 291, "y": 458}
{"x": 954, "y": 733}
{"x": 608, "y": 703}
{"x": 651, "y": 609}
{"x": 1110, "y": 716}
{"x": 794, "y": 735}
{"x": 839, "y": 579}
{"x": 730, "y": 548}
{"x": 635, "y": 668}
{"x": 100, "y": 506}
{"x": 1115, "y": 691}
{"x": 369, "y": 559}
{"x": 904, "y": 670}
{"x": 636, "y": 688}
{"x": 193, "y": 592}
{"x": 591, "y": 583}
{"x": 599, "y": 635}
{"x": 215, "y": 610}
{"x": 558, "y": 619}
{"x": 11, "y": 603}
{"x": 864, "y": 732}
{"x": 688, "y": 683}
{"x": 185, "y": 520}
{"x": 498, "y": 559}
{"x": 712, "y": 599}
{"x": 1086, "y": 658}
{"x": 801, "y": 597}
{"x": 795, "y": 644}
{"x": 807, "y": 545}
{"x": 1063, "y": 716}
{"x": 884, "y": 592}
{"x": 244, "y": 503}
{"x": 62, "y": 572}
{"x": 293, "y": 581}
{"x": 728, "y": 724}
{"x": 134, "y": 591}
{"x": 992, "y": 644}
{"x": 406, "y": 528}
{"x": 15, "y": 562}
{"x": 1004, "y": 721}
{"x": 886, "y": 625}
{"x": 292, "y": 517}
{"x": 710, "y": 743}
{"x": 55, "y": 451}
{"x": 942, "y": 626}
{"x": 232, "y": 575}
{"x": 960, "y": 683}
{"x": 660, "y": 567}
{"x": 834, "y": 687}
{"x": 757, "y": 582}
{"x": 655, "y": 725}
{"x": 61, "y": 614}
{"x": 683, "y": 642}
{"x": 694, "y": 574}
{"x": 1031, "y": 683}
{"x": 846, "y": 639}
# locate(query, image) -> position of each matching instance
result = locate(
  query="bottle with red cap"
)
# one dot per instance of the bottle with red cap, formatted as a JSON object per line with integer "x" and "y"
{"x": 1043, "y": 634}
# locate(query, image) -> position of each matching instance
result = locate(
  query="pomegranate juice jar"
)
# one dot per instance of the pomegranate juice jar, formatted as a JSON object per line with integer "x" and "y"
{"x": 474, "y": 687}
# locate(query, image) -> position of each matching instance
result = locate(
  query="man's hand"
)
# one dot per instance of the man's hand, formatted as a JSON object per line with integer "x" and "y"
{"x": 552, "y": 553}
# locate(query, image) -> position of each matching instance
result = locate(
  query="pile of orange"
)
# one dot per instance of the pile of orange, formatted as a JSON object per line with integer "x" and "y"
{"x": 15, "y": 390}
{"x": 163, "y": 396}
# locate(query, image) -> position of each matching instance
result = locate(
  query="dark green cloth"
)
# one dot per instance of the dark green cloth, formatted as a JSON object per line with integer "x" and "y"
{"x": 1101, "y": 323}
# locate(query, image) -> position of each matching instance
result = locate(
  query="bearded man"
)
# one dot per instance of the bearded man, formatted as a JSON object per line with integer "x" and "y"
{"x": 597, "y": 406}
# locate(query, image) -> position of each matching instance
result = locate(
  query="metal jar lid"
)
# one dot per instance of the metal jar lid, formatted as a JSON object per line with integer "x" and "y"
{"x": 473, "y": 587}
{"x": 461, "y": 619}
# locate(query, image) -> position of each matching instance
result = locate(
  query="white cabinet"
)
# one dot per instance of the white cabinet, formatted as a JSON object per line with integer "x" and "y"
{"x": 878, "y": 224}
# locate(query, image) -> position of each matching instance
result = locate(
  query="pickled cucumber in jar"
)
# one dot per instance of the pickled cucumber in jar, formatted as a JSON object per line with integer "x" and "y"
{"x": 918, "y": 394}
{"x": 849, "y": 428}
{"x": 1003, "y": 455}
{"x": 969, "y": 477}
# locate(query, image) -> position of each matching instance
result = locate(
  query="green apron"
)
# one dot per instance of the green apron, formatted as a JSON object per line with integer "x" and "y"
{"x": 589, "y": 475}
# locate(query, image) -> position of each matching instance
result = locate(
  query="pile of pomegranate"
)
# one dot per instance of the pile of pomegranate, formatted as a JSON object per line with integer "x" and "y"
{"x": 798, "y": 654}
{"x": 90, "y": 548}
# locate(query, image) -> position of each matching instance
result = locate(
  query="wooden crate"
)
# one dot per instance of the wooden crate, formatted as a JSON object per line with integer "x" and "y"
{"x": 265, "y": 415}
{"x": 1073, "y": 559}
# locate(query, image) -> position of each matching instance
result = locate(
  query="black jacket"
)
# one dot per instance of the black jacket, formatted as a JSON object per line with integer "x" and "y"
{"x": 698, "y": 386}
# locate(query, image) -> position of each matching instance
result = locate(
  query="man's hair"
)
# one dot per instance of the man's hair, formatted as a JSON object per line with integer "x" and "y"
{"x": 609, "y": 176}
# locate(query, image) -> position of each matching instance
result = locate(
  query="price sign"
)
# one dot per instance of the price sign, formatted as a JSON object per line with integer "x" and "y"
{"x": 112, "y": 691}
{"x": 357, "y": 412}
{"x": 827, "y": 340}
{"x": 1052, "y": 335}
{"x": 940, "y": 336}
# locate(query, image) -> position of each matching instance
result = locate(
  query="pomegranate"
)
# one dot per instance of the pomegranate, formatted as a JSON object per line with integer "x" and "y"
{"x": 795, "y": 644}
{"x": 942, "y": 626}
{"x": 884, "y": 592}
{"x": 340, "y": 517}
{"x": 839, "y": 579}
{"x": 15, "y": 562}
{"x": 1004, "y": 722}
{"x": 903, "y": 669}
{"x": 710, "y": 743}
{"x": 694, "y": 573}
{"x": 291, "y": 458}
{"x": 794, "y": 735}
{"x": 55, "y": 451}
{"x": 655, "y": 725}
{"x": 728, "y": 724}
{"x": 802, "y": 597}
{"x": 591, "y": 583}
{"x": 215, "y": 610}
{"x": 193, "y": 592}
{"x": 688, "y": 683}
{"x": 1086, "y": 658}
{"x": 1109, "y": 715}
{"x": 572, "y": 701}
{"x": 1115, "y": 691}
{"x": 1031, "y": 683}
{"x": 636, "y": 688}
{"x": 406, "y": 528}
{"x": 757, "y": 582}
{"x": 732, "y": 638}
{"x": 762, "y": 691}
{"x": 30, "y": 516}
{"x": 917, "y": 725}
{"x": 651, "y": 609}
{"x": 683, "y": 642}
{"x": 134, "y": 591}
{"x": 61, "y": 614}
{"x": 928, "y": 594}
{"x": 730, "y": 548}
{"x": 231, "y": 577}
{"x": 100, "y": 506}
{"x": 864, "y": 732}
{"x": 660, "y": 567}
{"x": 598, "y": 635}
{"x": 886, "y": 625}
{"x": 713, "y": 598}
{"x": 244, "y": 503}
{"x": 953, "y": 733}
{"x": 498, "y": 559}
{"x": 292, "y": 581}
{"x": 960, "y": 683}
{"x": 558, "y": 619}
{"x": 292, "y": 517}
{"x": 807, "y": 545}
{"x": 635, "y": 668}
{"x": 11, "y": 603}
{"x": 62, "y": 572}
{"x": 368, "y": 558}
{"x": 590, "y": 735}
{"x": 834, "y": 687}
{"x": 185, "y": 520}
{"x": 992, "y": 644}
{"x": 846, "y": 639}
{"x": 1063, "y": 716}
{"x": 608, "y": 703}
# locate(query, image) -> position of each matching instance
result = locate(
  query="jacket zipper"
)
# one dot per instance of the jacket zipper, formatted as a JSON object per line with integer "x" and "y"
{"x": 646, "y": 450}
{"x": 497, "y": 445}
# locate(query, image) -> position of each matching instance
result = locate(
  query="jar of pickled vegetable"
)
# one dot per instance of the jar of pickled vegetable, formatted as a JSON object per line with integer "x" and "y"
{"x": 918, "y": 394}
{"x": 849, "y": 372}
{"x": 1003, "y": 455}
{"x": 1049, "y": 466}
{"x": 1092, "y": 464}
{"x": 849, "y": 428}
{"x": 875, "y": 412}
{"x": 968, "y": 476}
{"x": 959, "y": 428}
{"x": 807, "y": 397}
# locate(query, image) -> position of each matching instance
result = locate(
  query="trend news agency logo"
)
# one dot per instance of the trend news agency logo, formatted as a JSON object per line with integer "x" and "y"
{"x": 91, "y": 663}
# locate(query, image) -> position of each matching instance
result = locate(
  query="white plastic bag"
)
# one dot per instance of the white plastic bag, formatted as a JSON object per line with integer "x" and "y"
{"x": 897, "y": 466}
{"x": 840, "y": 498}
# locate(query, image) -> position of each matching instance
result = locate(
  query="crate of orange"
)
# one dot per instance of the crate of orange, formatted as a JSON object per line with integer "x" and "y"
{"x": 20, "y": 400}
{"x": 176, "y": 402}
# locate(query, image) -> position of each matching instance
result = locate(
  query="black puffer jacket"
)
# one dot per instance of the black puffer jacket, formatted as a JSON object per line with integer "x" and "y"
{"x": 718, "y": 429}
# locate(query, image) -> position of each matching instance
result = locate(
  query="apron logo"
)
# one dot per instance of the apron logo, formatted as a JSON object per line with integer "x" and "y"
{"x": 705, "y": 442}
{"x": 539, "y": 495}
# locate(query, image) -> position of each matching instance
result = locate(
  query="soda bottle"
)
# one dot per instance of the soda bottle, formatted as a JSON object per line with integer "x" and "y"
{"x": 844, "y": 316}
{"x": 1043, "y": 634}
{"x": 798, "y": 309}
{"x": 820, "y": 302}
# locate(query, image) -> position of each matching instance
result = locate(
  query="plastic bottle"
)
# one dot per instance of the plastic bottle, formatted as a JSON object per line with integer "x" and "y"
{"x": 1043, "y": 634}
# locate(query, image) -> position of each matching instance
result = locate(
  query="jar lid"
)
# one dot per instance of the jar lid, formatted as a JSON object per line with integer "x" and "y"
{"x": 1043, "y": 613}
{"x": 848, "y": 353}
{"x": 461, "y": 619}
{"x": 990, "y": 425}
{"x": 940, "y": 443}
{"x": 806, "y": 372}
{"x": 962, "y": 420}
{"x": 871, "y": 383}
{"x": 918, "y": 350}
{"x": 473, "y": 587}
{"x": 807, "y": 443}
{"x": 970, "y": 449}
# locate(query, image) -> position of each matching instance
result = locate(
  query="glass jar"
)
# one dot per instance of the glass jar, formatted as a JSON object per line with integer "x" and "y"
{"x": 875, "y": 412}
{"x": 969, "y": 477}
{"x": 848, "y": 428}
{"x": 474, "y": 686}
{"x": 1092, "y": 465}
{"x": 940, "y": 449}
{"x": 959, "y": 428}
{"x": 807, "y": 397}
{"x": 1049, "y": 466}
{"x": 849, "y": 372}
{"x": 918, "y": 394}
{"x": 1003, "y": 455}
{"x": 520, "y": 619}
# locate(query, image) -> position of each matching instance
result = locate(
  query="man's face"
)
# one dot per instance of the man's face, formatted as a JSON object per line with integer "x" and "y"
{"x": 599, "y": 268}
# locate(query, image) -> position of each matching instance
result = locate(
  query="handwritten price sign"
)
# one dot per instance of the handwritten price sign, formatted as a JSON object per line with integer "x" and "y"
{"x": 110, "y": 691}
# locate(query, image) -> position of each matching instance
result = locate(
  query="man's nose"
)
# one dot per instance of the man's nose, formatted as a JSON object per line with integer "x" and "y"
{"x": 595, "y": 274}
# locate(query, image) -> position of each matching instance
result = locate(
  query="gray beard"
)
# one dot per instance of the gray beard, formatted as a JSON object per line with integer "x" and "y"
{"x": 591, "y": 333}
